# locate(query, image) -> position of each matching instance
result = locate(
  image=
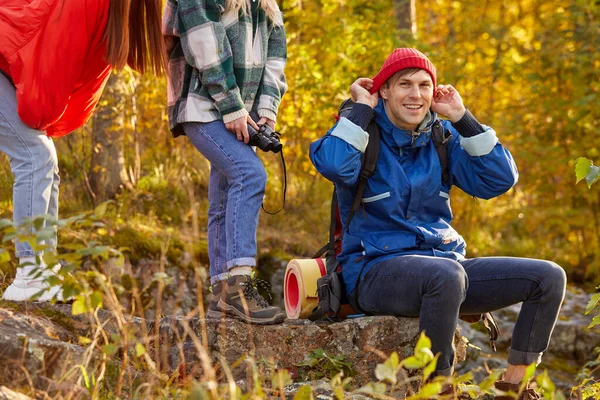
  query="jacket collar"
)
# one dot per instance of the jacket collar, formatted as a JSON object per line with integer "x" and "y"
{"x": 404, "y": 137}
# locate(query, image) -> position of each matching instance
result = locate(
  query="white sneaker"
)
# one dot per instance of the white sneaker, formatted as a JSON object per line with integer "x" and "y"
{"x": 27, "y": 283}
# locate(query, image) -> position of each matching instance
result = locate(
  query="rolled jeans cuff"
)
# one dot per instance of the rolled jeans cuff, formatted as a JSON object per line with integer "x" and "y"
{"x": 241, "y": 262}
{"x": 28, "y": 253}
{"x": 516, "y": 357}
{"x": 218, "y": 278}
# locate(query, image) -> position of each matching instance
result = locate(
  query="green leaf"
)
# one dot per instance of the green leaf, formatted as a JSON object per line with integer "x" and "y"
{"x": 592, "y": 303}
{"x": 79, "y": 307}
{"x": 529, "y": 372}
{"x": 5, "y": 223}
{"x": 593, "y": 175}
{"x": 373, "y": 387}
{"x": 431, "y": 389}
{"x": 385, "y": 373}
{"x": 4, "y": 256}
{"x": 100, "y": 210}
{"x": 140, "y": 350}
{"x": 412, "y": 362}
{"x": 50, "y": 258}
{"x": 423, "y": 343}
{"x": 84, "y": 341}
{"x": 488, "y": 382}
{"x": 595, "y": 321}
{"x": 393, "y": 361}
{"x": 582, "y": 167}
{"x": 428, "y": 370}
{"x": 304, "y": 393}
{"x": 545, "y": 383}
{"x": 96, "y": 299}
{"x": 110, "y": 349}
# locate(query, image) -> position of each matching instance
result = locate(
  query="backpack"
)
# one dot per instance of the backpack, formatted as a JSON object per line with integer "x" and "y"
{"x": 331, "y": 291}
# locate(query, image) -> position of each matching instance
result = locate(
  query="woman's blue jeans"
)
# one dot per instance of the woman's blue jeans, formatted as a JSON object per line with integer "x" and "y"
{"x": 33, "y": 163}
{"x": 235, "y": 193}
{"x": 437, "y": 289}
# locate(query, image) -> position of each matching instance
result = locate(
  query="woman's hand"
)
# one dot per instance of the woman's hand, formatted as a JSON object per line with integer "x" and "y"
{"x": 359, "y": 91}
{"x": 264, "y": 120}
{"x": 239, "y": 127}
{"x": 447, "y": 101}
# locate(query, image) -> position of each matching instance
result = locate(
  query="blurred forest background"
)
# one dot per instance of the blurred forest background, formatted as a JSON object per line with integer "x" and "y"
{"x": 528, "y": 68}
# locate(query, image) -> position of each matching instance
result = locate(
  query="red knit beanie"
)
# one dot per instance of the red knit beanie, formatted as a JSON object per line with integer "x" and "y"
{"x": 400, "y": 59}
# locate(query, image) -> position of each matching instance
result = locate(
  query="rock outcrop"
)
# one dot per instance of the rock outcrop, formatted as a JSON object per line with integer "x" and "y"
{"x": 39, "y": 355}
{"x": 361, "y": 341}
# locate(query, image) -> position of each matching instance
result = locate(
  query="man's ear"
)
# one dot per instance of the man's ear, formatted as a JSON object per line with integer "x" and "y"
{"x": 384, "y": 92}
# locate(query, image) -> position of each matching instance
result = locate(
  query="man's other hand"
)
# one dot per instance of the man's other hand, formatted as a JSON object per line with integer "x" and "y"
{"x": 360, "y": 92}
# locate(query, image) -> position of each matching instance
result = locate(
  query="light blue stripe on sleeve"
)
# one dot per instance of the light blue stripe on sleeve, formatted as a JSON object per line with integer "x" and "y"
{"x": 352, "y": 134}
{"x": 481, "y": 144}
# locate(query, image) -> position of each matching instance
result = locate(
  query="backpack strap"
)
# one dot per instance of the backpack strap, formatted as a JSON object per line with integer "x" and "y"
{"x": 441, "y": 138}
{"x": 329, "y": 248}
{"x": 369, "y": 163}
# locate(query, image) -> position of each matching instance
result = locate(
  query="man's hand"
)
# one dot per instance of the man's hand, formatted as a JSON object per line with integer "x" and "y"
{"x": 447, "y": 101}
{"x": 360, "y": 92}
{"x": 239, "y": 127}
{"x": 264, "y": 120}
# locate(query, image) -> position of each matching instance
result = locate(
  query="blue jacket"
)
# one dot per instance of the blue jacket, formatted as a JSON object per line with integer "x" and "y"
{"x": 405, "y": 207}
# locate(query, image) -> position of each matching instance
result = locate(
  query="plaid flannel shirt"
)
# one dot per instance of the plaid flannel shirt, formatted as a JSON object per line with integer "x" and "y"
{"x": 219, "y": 69}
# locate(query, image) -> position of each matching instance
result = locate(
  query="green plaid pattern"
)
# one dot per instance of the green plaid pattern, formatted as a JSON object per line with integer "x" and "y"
{"x": 219, "y": 69}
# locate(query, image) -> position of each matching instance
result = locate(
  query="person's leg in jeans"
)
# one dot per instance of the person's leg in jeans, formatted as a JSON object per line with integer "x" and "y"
{"x": 430, "y": 288}
{"x": 245, "y": 187}
{"x": 218, "y": 188}
{"x": 34, "y": 165}
{"x": 498, "y": 282}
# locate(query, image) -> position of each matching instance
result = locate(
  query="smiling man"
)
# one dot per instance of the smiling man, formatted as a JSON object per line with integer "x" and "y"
{"x": 400, "y": 254}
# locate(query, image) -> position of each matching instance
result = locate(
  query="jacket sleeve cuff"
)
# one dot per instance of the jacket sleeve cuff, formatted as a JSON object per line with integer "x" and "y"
{"x": 351, "y": 134}
{"x": 481, "y": 144}
{"x": 468, "y": 126}
{"x": 235, "y": 115}
{"x": 361, "y": 115}
{"x": 265, "y": 112}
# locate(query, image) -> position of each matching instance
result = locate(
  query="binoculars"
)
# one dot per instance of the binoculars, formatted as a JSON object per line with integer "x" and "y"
{"x": 265, "y": 138}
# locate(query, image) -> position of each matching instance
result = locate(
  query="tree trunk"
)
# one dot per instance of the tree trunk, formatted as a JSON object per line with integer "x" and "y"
{"x": 406, "y": 18}
{"x": 107, "y": 170}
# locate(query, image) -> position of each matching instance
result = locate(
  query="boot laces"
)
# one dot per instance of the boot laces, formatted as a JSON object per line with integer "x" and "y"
{"x": 251, "y": 291}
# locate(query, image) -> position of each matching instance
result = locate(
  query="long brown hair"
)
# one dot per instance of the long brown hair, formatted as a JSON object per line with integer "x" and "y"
{"x": 133, "y": 36}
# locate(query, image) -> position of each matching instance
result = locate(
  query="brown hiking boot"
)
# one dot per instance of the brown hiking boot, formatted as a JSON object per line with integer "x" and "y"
{"x": 511, "y": 389}
{"x": 216, "y": 292}
{"x": 258, "y": 310}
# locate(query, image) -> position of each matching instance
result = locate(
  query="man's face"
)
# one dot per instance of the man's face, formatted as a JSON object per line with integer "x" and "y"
{"x": 407, "y": 98}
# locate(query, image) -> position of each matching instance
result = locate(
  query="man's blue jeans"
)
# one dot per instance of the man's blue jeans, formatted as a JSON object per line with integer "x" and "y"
{"x": 437, "y": 289}
{"x": 235, "y": 193}
{"x": 33, "y": 163}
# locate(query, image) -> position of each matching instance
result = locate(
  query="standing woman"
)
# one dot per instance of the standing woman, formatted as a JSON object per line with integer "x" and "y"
{"x": 55, "y": 58}
{"x": 226, "y": 60}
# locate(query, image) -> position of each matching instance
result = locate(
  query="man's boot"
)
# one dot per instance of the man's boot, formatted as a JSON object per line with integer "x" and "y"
{"x": 527, "y": 394}
{"x": 213, "y": 304}
{"x": 256, "y": 310}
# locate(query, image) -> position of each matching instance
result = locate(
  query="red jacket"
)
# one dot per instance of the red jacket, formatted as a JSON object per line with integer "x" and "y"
{"x": 54, "y": 52}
